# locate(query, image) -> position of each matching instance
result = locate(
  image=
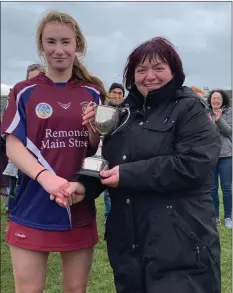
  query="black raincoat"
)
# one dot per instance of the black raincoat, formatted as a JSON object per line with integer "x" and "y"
{"x": 161, "y": 232}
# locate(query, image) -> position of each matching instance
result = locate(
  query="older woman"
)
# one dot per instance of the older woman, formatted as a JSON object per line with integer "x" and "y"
{"x": 161, "y": 231}
{"x": 221, "y": 116}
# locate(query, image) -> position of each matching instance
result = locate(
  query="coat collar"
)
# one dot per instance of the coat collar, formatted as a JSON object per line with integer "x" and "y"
{"x": 155, "y": 97}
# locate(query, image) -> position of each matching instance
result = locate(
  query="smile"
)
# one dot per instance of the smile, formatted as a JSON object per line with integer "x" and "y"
{"x": 152, "y": 85}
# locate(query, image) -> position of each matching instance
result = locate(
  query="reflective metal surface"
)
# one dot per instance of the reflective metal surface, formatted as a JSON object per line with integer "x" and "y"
{"x": 106, "y": 120}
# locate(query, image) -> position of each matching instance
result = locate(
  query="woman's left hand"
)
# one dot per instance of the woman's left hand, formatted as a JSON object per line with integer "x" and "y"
{"x": 218, "y": 114}
{"x": 88, "y": 117}
{"x": 110, "y": 177}
{"x": 72, "y": 193}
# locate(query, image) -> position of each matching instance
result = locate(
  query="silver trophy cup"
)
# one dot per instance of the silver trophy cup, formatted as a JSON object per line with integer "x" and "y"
{"x": 105, "y": 121}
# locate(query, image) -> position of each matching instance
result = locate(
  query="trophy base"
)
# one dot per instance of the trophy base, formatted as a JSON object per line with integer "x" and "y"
{"x": 90, "y": 173}
{"x": 92, "y": 166}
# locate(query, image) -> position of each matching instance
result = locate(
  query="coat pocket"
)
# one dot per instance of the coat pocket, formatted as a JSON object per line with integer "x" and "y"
{"x": 159, "y": 127}
{"x": 157, "y": 138}
{"x": 174, "y": 247}
{"x": 177, "y": 247}
{"x": 194, "y": 253}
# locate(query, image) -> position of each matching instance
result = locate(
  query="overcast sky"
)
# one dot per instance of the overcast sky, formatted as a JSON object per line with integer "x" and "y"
{"x": 200, "y": 31}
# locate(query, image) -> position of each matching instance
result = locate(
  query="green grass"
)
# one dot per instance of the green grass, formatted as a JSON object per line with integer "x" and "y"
{"x": 101, "y": 280}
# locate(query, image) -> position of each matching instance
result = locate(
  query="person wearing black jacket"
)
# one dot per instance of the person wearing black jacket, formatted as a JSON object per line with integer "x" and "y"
{"x": 161, "y": 231}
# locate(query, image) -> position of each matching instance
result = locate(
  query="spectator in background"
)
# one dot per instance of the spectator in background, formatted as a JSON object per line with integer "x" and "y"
{"x": 33, "y": 70}
{"x": 4, "y": 181}
{"x": 221, "y": 115}
{"x": 201, "y": 94}
{"x": 117, "y": 91}
{"x": 3, "y": 163}
{"x": 11, "y": 170}
{"x": 116, "y": 96}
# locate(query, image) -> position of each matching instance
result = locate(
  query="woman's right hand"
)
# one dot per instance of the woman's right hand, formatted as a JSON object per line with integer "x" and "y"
{"x": 51, "y": 183}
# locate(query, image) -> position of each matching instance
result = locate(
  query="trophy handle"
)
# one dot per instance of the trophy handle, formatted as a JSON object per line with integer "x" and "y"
{"x": 84, "y": 106}
{"x": 118, "y": 128}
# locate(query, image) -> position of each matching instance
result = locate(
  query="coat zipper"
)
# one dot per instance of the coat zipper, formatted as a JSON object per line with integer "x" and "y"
{"x": 197, "y": 240}
{"x": 134, "y": 244}
{"x": 144, "y": 108}
{"x": 192, "y": 238}
{"x": 188, "y": 235}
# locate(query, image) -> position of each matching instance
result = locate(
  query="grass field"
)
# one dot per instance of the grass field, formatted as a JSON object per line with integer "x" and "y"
{"x": 101, "y": 278}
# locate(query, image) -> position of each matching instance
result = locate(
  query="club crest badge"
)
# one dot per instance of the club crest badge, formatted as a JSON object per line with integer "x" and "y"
{"x": 44, "y": 110}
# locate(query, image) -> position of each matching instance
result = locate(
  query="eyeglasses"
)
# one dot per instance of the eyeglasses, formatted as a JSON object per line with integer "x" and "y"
{"x": 216, "y": 99}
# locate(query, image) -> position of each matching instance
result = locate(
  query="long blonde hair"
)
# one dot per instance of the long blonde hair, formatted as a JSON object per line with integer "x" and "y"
{"x": 79, "y": 70}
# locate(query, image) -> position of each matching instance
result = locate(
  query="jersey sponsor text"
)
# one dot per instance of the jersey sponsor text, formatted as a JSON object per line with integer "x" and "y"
{"x": 58, "y": 139}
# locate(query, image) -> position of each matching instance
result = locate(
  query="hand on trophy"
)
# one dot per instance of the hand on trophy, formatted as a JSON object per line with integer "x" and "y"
{"x": 88, "y": 121}
{"x": 106, "y": 122}
{"x": 110, "y": 177}
{"x": 88, "y": 115}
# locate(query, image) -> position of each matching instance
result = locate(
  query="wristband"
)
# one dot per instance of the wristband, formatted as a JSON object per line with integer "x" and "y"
{"x": 40, "y": 173}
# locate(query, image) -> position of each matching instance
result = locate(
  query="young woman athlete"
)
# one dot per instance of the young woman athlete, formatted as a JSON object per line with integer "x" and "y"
{"x": 47, "y": 140}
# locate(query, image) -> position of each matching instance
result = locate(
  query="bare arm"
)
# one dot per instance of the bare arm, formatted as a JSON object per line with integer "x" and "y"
{"x": 27, "y": 163}
{"x": 21, "y": 157}
{"x": 14, "y": 128}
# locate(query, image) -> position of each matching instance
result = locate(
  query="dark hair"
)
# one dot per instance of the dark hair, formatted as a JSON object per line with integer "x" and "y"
{"x": 33, "y": 67}
{"x": 225, "y": 98}
{"x": 157, "y": 46}
{"x": 116, "y": 85}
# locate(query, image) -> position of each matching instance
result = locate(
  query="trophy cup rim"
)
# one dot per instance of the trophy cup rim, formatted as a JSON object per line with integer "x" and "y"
{"x": 107, "y": 106}
{"x": 114, "y": 111}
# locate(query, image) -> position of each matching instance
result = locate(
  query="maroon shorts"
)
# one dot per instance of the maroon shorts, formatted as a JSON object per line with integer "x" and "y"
{"x": 52, "y": 241}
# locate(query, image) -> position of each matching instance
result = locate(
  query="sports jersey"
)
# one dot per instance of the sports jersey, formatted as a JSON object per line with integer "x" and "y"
{"x": 46, "y": 117}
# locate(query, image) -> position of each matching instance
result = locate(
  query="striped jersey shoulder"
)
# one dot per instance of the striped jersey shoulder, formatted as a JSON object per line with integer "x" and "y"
{"x": 24, "y": 87}
{"x": 94, "y": 91}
